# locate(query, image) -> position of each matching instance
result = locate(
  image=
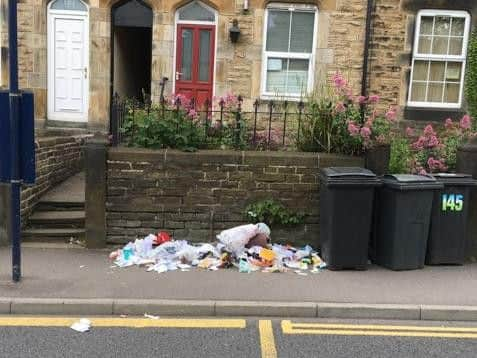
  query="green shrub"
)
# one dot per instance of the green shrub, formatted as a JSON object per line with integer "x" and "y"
{"x": 272, "y": 212}
{"x": 471, "y": 78}
{"x": 401, "y": 155}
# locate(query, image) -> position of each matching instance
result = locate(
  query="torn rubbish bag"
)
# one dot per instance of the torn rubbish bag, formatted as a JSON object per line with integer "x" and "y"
{"x": 236, "y": 238}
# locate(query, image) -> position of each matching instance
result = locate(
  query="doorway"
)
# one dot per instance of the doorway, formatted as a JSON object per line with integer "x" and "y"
{"x": 195, "y": 51}
{"x": 131, "y": 51}
{"x": 68, "y": 54}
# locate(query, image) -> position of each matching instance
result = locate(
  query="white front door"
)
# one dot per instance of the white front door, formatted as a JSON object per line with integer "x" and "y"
{"x": 68, "y": 68}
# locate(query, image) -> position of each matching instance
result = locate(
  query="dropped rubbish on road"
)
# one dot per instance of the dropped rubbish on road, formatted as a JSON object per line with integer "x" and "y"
{"x": 83, "y": 325}
{"x": 161, "y": 254}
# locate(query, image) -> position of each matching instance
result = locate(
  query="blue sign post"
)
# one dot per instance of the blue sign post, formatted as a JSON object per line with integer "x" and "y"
{"x": 17, "y": 152}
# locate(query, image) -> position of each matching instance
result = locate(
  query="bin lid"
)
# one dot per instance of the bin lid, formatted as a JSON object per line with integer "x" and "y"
{"x": 455, "y": 179}
{"x": 411, "y": 182}
{"x": 349, "y": 176}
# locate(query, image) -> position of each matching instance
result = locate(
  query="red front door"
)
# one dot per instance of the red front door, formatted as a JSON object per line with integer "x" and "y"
{"x": 195, "y": 61}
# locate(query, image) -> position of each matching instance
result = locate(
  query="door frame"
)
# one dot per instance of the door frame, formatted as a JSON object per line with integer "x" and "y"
{"x": 187, "y": 22}
{"x": 52, "y": 15}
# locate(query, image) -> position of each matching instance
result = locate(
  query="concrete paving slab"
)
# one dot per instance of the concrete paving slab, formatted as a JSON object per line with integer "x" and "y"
{"x": 448, "y": 313}
{"x": 265, "y": 309}
{"x": 368, "y": 311}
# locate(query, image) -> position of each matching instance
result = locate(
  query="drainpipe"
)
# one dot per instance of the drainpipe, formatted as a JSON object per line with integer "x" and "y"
{"x": 367, "y": 40}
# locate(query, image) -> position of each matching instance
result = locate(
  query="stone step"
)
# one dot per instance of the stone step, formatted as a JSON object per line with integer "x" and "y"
{"x": 52, "y": 234}
{"x": 59, "y": 205}
{"x": 56, "y": 218}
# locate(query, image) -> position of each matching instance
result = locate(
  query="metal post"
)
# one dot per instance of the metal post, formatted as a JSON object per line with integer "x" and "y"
{"x": 14, "y": 127}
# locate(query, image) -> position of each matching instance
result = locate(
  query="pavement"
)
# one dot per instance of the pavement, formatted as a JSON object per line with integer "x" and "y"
{"x": 79, "y": 281}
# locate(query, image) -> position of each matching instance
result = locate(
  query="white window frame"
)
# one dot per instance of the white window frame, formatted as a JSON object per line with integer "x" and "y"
{"x": 177, "y": 21}
{"x": 288, "y": 55}
{"x": 443, "y": 58}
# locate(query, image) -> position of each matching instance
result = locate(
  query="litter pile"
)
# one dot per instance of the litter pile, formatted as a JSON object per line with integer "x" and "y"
{"x": 246, "y": 247}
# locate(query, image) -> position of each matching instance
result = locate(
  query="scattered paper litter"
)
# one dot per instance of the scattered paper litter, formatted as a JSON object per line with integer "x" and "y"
{"x": 83, "y": 325}
{"x": 151, "y": 316}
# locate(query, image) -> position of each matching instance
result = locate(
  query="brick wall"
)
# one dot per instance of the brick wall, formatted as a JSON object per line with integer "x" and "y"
{"x": 196, "y": 195}
{"x": 57, "y": 158}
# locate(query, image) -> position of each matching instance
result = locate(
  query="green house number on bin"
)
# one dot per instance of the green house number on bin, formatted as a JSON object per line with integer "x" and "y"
{"x": 452, "y": 202}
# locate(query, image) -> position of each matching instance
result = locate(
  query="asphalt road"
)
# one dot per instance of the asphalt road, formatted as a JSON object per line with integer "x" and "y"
{"x": 253, "y": 340}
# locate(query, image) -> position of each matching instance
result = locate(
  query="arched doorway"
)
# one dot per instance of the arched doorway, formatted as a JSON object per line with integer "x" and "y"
{"x": 196, "y": 25}
{"x": 68, "y": 60}
{"x": 131, "y": 49}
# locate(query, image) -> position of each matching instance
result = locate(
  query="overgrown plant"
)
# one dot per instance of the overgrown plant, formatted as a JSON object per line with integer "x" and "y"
{"x": 401, "y": 155}
{"x": 437, "y": 152}
{"x": 272, "y": 213}
{"x": 471, "y": 77}
{"x": 336, "y": 121}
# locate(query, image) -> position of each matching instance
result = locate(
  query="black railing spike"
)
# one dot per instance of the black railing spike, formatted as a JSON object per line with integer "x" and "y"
{"x": 255, "y": 105}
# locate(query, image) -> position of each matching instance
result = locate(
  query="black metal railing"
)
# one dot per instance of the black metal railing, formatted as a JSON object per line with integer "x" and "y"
{"x": 270, "y": 125}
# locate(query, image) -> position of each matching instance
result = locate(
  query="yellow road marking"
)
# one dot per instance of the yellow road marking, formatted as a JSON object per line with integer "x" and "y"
{"x": 378, "y": 330}
{"x": 123, "y": 322}
{"x": 267, "y": 341}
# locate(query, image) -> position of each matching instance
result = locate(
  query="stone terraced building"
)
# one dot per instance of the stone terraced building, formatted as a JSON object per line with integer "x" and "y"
{"x": 74, "y": 54}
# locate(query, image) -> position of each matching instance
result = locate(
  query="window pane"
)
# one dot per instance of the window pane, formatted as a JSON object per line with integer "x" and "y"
{"x": 418, "y": 92}
{"x": 297, "y": 76}
{"x": 455, "y": 46}
{"x": 278, "y": 29}
{"x": 437, "y": 72}
{"x": 420, "y": 70}
{"x": 196, "y": 12}
{"x": 452, "y": 93}
{"x": 424, "y": 44}
{"x": 276, "y": 75}
{"x": 458, "y": 26}
{"x": 426, "y": 25}
{"x": 454, "y": 71}
{"x": 186, "y": 62}
{"x": 204, "y": 55}
{"x": 439, "y": 45}
{"x": 434, "y": 93}
{"x": 302, "y": 32}
{"x": 442, "y": 25}
{"x": 72, "y": 5}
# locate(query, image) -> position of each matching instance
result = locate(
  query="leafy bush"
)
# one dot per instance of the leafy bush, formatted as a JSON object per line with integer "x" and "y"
{"x": 336, "y": 121}
{"x": 401, "y": 156}
{"x": 272, "y": 212}
{"x": 471, "y": 77}
{"x": 437, "y": 152}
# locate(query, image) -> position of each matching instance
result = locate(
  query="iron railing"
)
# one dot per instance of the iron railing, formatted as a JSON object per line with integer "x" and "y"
{"x": 270, "y": 125}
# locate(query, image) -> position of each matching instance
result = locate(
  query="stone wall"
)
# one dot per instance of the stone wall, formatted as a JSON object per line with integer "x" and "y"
{"x": 57, "y": 158}
{"x": 196, "y": 195}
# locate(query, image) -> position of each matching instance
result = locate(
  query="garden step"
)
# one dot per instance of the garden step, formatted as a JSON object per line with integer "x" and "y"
{"x": 70, "y": 219}
{"x": 60, "y": 205}
{"x": 52, "y": 234}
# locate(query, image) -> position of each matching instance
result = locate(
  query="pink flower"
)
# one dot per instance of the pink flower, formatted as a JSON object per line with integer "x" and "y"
{"x": 422, "y": 172}
{"x": 429, "y": 131}
{"x": 433, "y": 142}
{"x": 353, "y": 129}
{"x": 361, "y": 99}
{"x": 365, "y": 132}
{"x": 391, "y": 115}
{"x": 409, "y": 132}
{"x": 465, "y": 122}
{"x": 373, "y": 98}
{"x": 192, "y": 113}
{"x": 419, "y": 144}
{"x": 340, "y": 107}
{"x": 339, "y": 81}
{"x": 449, "y": 123}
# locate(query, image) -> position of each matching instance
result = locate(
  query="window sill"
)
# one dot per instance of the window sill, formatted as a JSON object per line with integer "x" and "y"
{"x": 432, "y": 114}
{"x": 265, "y": 97}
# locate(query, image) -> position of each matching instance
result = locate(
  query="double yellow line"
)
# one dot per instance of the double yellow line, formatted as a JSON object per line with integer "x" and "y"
{"x": 123, "y": 322}
{"x": 378, "y": 330}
